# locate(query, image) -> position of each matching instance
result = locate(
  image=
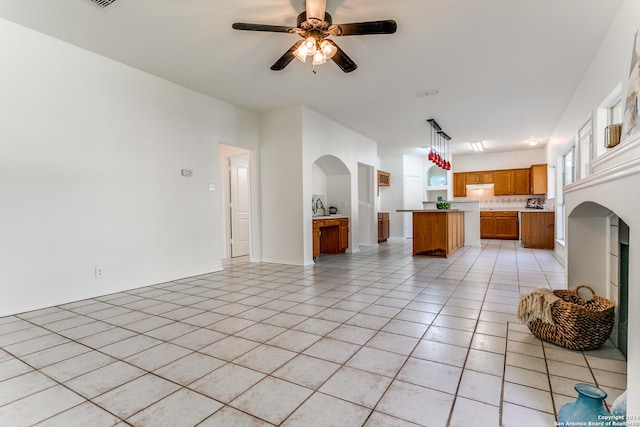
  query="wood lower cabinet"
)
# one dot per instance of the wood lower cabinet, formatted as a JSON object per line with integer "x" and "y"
{"x": 499, "y": 225}
{"x": 383, "y": 226}
{"x": 330, "y": 236}
{"x": 437, "y": 233}
{"x": 538, "y": 230}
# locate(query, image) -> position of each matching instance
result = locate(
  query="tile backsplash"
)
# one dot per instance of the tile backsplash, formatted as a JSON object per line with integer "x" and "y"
{"x": 489, "y": 201}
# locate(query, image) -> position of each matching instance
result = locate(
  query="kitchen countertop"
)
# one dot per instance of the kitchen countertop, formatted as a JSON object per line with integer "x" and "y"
{"x": 514, "y": 210}
{"x": 336, "y": 216}
{"x": 429, "y": 210}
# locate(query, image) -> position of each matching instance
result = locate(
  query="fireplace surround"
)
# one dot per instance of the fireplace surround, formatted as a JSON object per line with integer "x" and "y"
{"x": 603, "y": 244}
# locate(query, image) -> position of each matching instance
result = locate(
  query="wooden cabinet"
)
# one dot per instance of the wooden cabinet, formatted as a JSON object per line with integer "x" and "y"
{"x": 499, "y": 225}
{"x": 330, "y": 236}
{"x": 538, "y": 179}
{"x": 437, "y": 233}
{"x": 479, "y": 177}
{"x": 511, "y": 182}
{"x": 487, "y": 225}
{"x": 383, "y": 226}
{"x": 459, "y": 185}
{"x": 538, "y": 230}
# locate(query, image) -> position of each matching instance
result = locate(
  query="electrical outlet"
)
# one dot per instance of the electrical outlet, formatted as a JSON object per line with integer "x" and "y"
{"x": 99, "y": 272}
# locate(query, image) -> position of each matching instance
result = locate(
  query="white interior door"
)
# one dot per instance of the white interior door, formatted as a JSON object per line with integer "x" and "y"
{"x": 412, "y": 200}
{"x": 239, "y": 205}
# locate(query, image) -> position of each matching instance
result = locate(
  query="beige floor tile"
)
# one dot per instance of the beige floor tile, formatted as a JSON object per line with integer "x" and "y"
{"x": 356, "y": 386}
{"x": 332, "y": 350}
{"x": 352, "y": 334}
{"x": 265, "y": 358}
{"x": 568, "y": 370}
{"x": 512, "y": 416}
{"x": 472, "y": 413}
{"x": 326, "y": 411}
{"x": 377, "y": 361}
{"x": 229, "y": 348}
{"x": 23, "y": 385}
{"x": 229, "y": 416}
{"x": 394, "y": 343}
{"x": 485, "y": 361}
{"x": 440, "y": 352}
{"x": 135, "y": 395}
{"x": 449, "y": 336}
{"x": 227, "y": 382}
{"x": 482, "y": 387}
{"x": 307, "y": 371}
{"x": 490, "y": 343}
{"x": 104, "y": 379}
{"x": 272, "y": 399}
{"x": 528, "y": 397}
{"x": 260, "y": 332}
{"x": 294, "y": 340}
{"x": 184, "y": 407}
{"x": 416, "y": 404}
{"x": 39, "y": 406}
{"x": 463, "y": 324}
{"x": 437, "y": 376}
{"x": 526, "y": 377}
{"x": 157, "y": 356}
{"x": 378, "y": 419}
{"x": 188, "y": 369}
{"x": 78, "y": 365}
{"x": 85, "y": 414}
{"x": 527, "y": 362}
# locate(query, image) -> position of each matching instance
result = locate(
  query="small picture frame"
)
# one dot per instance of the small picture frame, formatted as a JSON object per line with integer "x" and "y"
{"x": 317, "y": 205}
{"x": 535, "y": 203}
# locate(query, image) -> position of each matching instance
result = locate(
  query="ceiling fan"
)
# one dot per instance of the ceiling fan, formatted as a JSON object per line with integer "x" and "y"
{"x": 314, "y": 26}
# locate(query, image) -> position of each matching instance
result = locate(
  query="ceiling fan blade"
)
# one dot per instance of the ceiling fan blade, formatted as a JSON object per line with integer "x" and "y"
{"x": 286, "y": 58}
{"x": 316, "y": 8}
{"x": 262, "y": 27}
{"x": 343, "y": 61}
{"x": 362, "y": 28}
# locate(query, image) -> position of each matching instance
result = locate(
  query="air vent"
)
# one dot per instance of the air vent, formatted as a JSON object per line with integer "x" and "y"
{"x": 102, "y": 4}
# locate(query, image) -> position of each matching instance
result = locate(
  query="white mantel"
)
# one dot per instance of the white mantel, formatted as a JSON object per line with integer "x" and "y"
{"x": 611, "y": 191}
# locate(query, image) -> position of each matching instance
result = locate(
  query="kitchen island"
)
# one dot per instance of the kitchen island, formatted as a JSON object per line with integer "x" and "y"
{"x": 437, "y": 233}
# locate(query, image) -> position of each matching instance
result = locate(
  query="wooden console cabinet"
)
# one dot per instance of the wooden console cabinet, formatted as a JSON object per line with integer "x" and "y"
{"x": 437, "y": 233}
{"x": 330, "y": 236}
{"x": 383, "y": 226}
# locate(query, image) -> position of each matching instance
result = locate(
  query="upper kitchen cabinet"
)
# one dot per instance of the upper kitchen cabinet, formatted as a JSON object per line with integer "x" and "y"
{"x": 479, "y": 177}
{"x": 538, "y": 178}
{"x": 459, "y": 185}
{"x": 511, "y": 182}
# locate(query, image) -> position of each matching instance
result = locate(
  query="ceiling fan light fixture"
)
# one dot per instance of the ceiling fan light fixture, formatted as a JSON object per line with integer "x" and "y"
{"x": 310, "y": 45}
{"x": 319, "y": 58}
{"x": 301, "y": 52}
{"x": 328, "y": 49}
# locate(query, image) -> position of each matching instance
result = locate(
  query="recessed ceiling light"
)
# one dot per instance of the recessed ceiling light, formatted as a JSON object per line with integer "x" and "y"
{"x": 477, "y": 146}
{"x": 533, "y": 142}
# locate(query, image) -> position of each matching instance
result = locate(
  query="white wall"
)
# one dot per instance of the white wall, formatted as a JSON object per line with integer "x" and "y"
{"x": 90, "y": 174}
{"x": 281, "y": 172}
{"x": 323, "y": 136}
{"x": 496, "y": 161}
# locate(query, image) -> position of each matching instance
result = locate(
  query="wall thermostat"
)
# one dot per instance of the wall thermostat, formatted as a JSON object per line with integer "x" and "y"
{"x": 187, "y": 172}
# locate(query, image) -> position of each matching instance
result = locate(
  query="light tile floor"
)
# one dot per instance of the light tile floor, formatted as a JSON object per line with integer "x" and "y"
{"x": 377, "y": 338}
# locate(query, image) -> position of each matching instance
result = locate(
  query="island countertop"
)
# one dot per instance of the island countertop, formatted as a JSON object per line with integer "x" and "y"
{"x": 429, "y": 210}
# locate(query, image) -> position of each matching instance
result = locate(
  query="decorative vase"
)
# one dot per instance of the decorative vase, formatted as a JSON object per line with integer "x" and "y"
{"x": 588, "y": 406}
{"x": 619, "y": 406}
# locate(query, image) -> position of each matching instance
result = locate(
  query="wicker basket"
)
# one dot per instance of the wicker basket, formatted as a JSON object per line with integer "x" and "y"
{"x": 578, "y": 324}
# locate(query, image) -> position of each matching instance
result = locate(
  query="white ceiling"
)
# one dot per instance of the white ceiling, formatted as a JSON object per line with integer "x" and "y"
{"x": 504, "y": 69}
